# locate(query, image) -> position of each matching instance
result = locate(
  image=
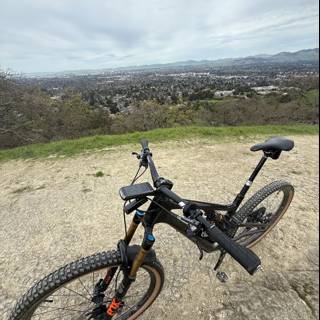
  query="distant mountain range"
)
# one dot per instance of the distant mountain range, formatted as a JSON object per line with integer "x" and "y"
{"x": 302, "y": 56}
{"x": 307, "y": 55}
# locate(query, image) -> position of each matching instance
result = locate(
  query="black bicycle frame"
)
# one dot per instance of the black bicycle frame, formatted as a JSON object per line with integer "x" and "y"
{"x": 155, "y": 215}
{"x": 160, "y": 211}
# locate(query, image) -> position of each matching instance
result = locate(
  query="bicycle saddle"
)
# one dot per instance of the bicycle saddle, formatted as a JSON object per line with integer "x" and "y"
{"x": 274, "y": 144}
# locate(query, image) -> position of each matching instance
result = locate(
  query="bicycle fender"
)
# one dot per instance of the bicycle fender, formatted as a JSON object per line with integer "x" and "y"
{"x": 132, "y": 252}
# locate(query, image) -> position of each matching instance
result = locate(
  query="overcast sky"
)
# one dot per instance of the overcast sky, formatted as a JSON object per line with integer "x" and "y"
{"x": 55, "y": 35}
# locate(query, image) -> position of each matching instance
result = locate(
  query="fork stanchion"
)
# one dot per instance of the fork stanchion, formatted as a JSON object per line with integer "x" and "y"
{"x": 146, "y": 246}
{"x": 133, "y": 226}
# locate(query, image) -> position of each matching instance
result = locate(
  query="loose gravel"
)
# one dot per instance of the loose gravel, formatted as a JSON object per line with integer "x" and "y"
{"x": 57, "y": 210}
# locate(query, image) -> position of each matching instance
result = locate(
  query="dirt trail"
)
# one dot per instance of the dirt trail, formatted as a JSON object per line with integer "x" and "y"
{"x": 54, "y": 211}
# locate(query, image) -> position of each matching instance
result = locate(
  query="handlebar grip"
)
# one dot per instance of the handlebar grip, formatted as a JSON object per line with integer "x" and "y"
{"x": 144, "y": 143}
{"x": 247, "y": 258}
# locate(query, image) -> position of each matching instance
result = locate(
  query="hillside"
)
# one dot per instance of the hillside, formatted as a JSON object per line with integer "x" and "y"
{"x": 309, "y": 55}
{"x": 302, "y": 55}
{"x": 39, "y": 111}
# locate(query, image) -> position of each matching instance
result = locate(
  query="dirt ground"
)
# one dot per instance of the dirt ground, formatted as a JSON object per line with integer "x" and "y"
{"x": 56, "y": 210}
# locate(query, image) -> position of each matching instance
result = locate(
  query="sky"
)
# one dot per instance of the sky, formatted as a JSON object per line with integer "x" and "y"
{"x": 56, "y": 35}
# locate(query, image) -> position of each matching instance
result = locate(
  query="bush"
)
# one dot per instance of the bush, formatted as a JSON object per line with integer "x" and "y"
{"x": 28, "y": 115}
{"x": 152, "y": 115}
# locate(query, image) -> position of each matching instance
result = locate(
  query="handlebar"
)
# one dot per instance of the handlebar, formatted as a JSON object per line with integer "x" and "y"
{"x": 173, "y": 196}
{"x": 153, "y": 170}
{"x": 247, "y": 258}
{"x": 244, "y": 256}
{"x": 147, "y": 158}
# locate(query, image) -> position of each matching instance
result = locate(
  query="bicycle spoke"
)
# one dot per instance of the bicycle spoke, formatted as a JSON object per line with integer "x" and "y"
{"x": 264, "y": 215}
{"x": 112, "y": 288}
{"x": 247, "y": 234}
{"x": 85, "y": 288}
{"x": 93, "y": 284}
{"x": 73, "y": 305}
{"x": 72, "y": 301}
{"x": 83, "y": 312}
{"x": 77, "y": 293}
{"x": 139, "y": 285}
{"x": 72, "y": 310}
{"x": 134, "y": 294}
{"x": 64, "y": 295}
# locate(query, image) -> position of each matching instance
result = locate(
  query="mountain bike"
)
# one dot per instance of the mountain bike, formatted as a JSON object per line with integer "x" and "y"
{"x": 123, "y": 284}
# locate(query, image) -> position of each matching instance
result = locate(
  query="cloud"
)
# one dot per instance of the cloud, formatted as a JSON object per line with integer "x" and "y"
{"x": 42, "y": 35}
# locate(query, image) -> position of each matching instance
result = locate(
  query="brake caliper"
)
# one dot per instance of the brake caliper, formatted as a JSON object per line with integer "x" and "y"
{"x": 259, "y": 216}
{"x": 113, "y": 309}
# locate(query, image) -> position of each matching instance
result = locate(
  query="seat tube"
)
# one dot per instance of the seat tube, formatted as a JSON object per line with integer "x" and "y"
{"x": 249, "y": 182}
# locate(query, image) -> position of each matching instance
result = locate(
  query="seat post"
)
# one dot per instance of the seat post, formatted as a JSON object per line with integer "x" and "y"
{"x": 237, "y": 201}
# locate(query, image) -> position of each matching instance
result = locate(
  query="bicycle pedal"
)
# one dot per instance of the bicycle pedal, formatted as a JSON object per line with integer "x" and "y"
{"x": 222, "y": 276}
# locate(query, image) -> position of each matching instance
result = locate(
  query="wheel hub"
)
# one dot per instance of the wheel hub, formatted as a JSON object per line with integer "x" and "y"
{"x": 259, "y": 216}
{"x": 97, "y": 313}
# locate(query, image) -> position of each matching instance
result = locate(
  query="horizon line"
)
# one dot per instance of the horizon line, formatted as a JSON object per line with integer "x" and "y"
{"x": 129, "y": 66}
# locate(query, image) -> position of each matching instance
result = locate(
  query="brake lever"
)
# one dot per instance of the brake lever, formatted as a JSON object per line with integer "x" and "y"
{"x": 193, "y": 229}
{"x": 136, "y": 154}
{"x": 139, "y": 156}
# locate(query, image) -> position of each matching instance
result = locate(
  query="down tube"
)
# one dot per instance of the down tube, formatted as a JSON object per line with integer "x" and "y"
{"x": 181, "y": 226}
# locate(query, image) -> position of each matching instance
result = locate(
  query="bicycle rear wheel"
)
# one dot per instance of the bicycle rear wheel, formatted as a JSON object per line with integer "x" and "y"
{"x": 260, "y": 214}
{"x": 66, "y": 293}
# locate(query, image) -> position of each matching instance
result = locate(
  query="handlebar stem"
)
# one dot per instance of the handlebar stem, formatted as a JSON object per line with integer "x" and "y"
{"x": 153, "y": 170}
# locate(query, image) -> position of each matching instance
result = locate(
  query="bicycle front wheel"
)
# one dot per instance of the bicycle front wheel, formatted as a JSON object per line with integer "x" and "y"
{"x": 67, "y": 293}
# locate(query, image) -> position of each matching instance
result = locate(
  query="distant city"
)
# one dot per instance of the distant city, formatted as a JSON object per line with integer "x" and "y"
{"x": 307, "y": 55}
{"x": 119, "y": 90}
{"x": 278, "y": 89}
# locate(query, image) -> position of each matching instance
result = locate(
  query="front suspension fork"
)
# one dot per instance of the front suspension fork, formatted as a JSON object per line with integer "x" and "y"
{"x": 130, "y": 277}
{"x": 103, "y": 286}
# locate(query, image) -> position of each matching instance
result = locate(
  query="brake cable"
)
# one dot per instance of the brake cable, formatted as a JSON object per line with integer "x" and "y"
{"x": 136, "y": 177}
